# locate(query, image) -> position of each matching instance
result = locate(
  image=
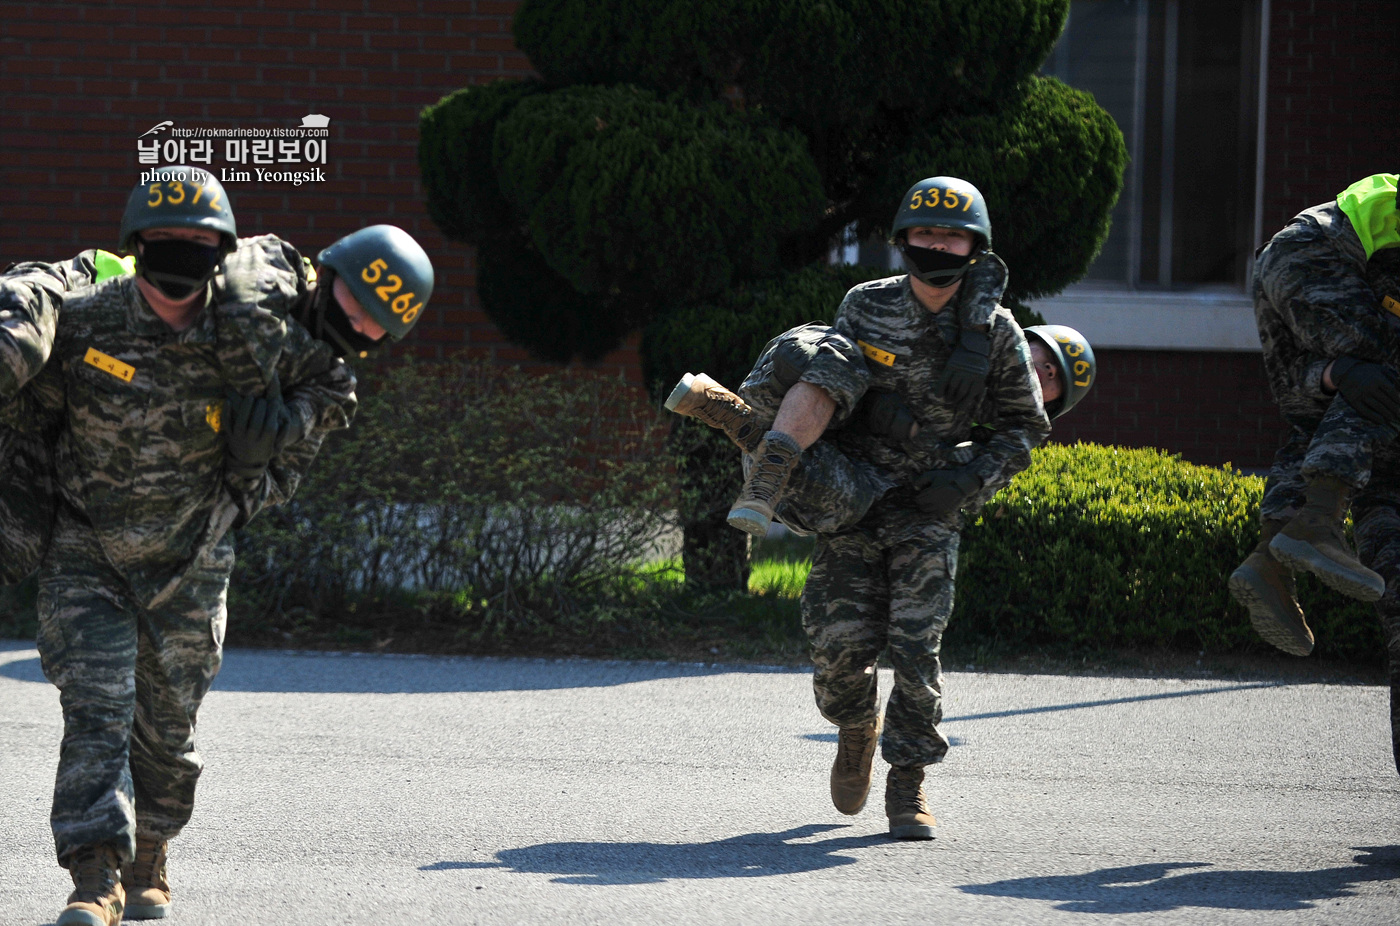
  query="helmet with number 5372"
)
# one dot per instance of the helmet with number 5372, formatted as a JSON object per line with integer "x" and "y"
{"x": 388, "y": 273}
{"x": 179, "y": 197}
{"x": 1074, "y": 357}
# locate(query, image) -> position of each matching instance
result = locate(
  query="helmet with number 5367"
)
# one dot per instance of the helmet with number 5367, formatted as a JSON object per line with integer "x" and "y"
{"x": 1074, "y": 357}
{"x": 387, "y": 271}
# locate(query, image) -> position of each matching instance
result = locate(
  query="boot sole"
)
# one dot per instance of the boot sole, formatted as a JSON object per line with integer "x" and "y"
{"x": 680, "y": 392}
{"x": 1245, "y": 583}
{"x": 146, "y": 911}
{"x": 80, "y": 918}
{"x": 1297, "y": 554}
{"x": 754, "y": 523}
{"x": 911, "y": 831}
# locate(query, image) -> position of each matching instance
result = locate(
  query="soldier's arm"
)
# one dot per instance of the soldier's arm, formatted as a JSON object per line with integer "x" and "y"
{"x": 31, "y": 294}
{"x": 1013, "y": 402}
{"x": 983, "y": 287}
{"x": 320, "y": 397}
{"x": 1321, "y": 295}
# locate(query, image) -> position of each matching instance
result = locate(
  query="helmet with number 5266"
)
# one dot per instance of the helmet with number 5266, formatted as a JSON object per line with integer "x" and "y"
{"x": 1074, "y": 357}
{"x": 388, "y": 273}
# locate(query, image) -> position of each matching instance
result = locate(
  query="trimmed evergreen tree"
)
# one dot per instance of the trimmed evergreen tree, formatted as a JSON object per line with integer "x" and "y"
{"x": 683, "y": 167}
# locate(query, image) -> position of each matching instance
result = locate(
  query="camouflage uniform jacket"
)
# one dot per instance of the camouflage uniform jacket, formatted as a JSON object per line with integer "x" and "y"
{"x": 906, "y": 347}
{"x": 139, "y": 452}
{"x": 1313, "y": 304}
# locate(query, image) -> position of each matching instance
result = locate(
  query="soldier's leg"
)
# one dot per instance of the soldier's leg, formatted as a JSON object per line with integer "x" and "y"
{"x": 87, "y": 646}
{"x": 180, "y": 651}
{"x": 1336, "y": 465}
{"x": 844, "y": 610}
{"x": 1262, "y": 584}
{"x": 820, "y": 375}
{"x": 1377, "y": 521}
{"x": 921, "y": 573}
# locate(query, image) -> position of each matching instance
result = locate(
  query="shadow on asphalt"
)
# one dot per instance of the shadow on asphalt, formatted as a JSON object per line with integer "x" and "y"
{"x": 356, "y": 673}
{"x": 754, "y": 855}
{"x": 1158, "y": 888}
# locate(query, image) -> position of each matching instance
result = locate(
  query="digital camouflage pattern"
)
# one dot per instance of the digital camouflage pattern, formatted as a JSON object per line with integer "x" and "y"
{"x": 1317, "y": 298}
{"x": 886, "y": 584}
{"x": 864, "y": 598}
{"x": 130, "y": 682}
{"x": 132, "y": 590}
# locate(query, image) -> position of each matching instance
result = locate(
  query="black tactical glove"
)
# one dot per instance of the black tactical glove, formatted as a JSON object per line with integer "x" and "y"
{"x": 885, "y": 415}
{"x": 1369, "y": 389}
{"x": 941, "y": 492}
{"x": 256, "y": 428}
{"x": 964, "y": 379}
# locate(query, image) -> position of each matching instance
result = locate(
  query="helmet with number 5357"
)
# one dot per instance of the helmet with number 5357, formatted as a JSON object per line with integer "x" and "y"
{"x": 1074, "y": 357}
{"x": 388, "y": 273}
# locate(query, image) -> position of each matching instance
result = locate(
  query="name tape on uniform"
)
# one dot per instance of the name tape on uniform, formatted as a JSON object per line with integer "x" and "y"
{"x": 122, "y": 371}
{"x": 882, "y": 357}
{"x": 1392, "y": 305}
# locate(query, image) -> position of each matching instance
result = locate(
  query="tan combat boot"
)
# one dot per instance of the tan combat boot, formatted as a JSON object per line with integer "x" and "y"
{"x": 147, "y": 888}
{"x": 774, "y": 461}
{"x": 97, "y": 898}
{"x": 1266, "y": 588}
{"x": 906, "y": 805}
{"x": 698, "y": 396}
{"x": 1313, "y": 541}
{"x": 850, "y": 773}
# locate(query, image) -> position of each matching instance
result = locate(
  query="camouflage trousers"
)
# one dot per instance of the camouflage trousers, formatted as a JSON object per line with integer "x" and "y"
{"x": 26, "y": 502}
{"x": 828, "y": 491}
{"x": 865, "y": 597}
{"x": 1339, "y": 443}
{"x": 130, "y": 683}
{"x": 1376, "y": 517}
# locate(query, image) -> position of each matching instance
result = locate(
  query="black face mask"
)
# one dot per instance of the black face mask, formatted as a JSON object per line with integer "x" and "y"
{"x": 177, "y": 267}
{"x": 936, "y": 268}
{"x": 327, "y": 321}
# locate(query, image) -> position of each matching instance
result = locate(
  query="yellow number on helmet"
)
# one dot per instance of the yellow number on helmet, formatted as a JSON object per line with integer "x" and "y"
{"x": 159, "y": 197}
{"x": 401, "y": 303}
{"x": 178, "y": 188}
{"x": 378, "y": 266}
{"x": 933, "y": 197}
{"x": 383, "y": 291}
{"x": 918, "y": 199}
{"x": 1074, "y": 350}
{"x": 950, "y": 199}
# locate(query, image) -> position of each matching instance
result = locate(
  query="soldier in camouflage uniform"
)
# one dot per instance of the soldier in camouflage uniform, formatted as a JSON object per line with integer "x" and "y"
{"x": 1331, "y": 356}
{"x": 173, "y": 428}
{"x": 886, "y": 582}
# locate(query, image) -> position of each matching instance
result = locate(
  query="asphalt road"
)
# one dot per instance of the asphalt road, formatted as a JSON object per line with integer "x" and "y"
{"x": 402, "y": 790}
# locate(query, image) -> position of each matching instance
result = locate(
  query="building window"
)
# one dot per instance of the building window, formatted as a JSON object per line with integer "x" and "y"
{"x": 1181, "y": 79}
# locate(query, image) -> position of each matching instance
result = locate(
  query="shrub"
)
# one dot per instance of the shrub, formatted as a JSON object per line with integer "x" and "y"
{"x": 507, "y": 502}
{"x": 623, "y": 191}
{"x": 454, "y": 158}
{"x": 1112, "y": 547}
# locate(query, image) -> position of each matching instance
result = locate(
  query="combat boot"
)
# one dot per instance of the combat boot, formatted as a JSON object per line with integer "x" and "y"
{"x": 1266, "y": 588}
{"x": 906, "y": 805}
{"x": 774, "y": 461}
{"x": 1313, "y": 541}
{"x": 145, "y": 881}
{"x": 855, "y": 759}
{"x": 698, "y": 396}
{"x": 97, "y": 898}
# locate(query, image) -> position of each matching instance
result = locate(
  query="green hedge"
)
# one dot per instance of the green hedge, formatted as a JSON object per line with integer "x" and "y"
{"x": 501, "y": 502}
{"x": 1097, "y": 547}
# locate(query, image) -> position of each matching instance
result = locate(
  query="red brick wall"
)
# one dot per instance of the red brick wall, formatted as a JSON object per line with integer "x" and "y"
{"x": 1334, "y": 66}
{"x": 81, "y": 81}
{"x": 1212, "y": 408}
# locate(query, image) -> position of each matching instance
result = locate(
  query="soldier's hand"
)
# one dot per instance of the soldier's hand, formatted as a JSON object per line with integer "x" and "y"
{"x": 941, "y": 492}
{"x": 885, "y": 414}
{"x": 1368, "y": 388}
{"x": 964, "y": 379}
{"x": 258, "y": 426}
